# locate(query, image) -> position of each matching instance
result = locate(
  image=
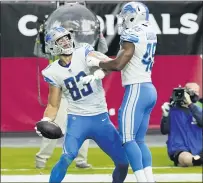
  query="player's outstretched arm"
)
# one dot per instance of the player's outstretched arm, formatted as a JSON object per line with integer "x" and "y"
{"x": 54, "y": 99}
{"x": 97, "y": 57}
{"x": 99, "y": 74}
{"x": 94, "y": 57}
{"x": 123, "y": 57}
{"x": 107, "y": 64}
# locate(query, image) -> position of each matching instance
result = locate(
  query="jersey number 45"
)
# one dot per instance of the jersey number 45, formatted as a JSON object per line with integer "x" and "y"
{"x": 148, "y": 58}
{"x": 72, "y": 85}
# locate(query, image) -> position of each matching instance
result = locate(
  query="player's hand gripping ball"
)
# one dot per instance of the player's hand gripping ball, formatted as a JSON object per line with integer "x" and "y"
{"x": 49, "y": 130}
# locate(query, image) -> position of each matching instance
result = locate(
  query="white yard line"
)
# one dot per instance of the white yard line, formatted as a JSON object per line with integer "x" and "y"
{"x": 102, "y": 178}
{"x": 96, "y": 168}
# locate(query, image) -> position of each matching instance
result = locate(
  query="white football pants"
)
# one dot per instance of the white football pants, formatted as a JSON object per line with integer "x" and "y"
{"x": 48, "y": 145}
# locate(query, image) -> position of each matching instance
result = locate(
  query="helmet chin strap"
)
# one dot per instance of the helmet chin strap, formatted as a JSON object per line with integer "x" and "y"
{"x": 67, "y": 55}
{"x": 67, "y": 51}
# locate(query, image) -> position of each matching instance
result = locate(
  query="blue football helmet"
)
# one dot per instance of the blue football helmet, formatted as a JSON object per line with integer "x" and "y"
{"x": 59, "y": 41}
{"x": 132, "y": 14}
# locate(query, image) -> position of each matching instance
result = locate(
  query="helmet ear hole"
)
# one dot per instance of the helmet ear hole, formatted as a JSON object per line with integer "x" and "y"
{"x": 69, "y": 36}
{"x": 131, "y": 19}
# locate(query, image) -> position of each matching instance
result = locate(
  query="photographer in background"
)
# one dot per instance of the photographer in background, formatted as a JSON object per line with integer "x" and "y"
{"x": 182, "y": 121}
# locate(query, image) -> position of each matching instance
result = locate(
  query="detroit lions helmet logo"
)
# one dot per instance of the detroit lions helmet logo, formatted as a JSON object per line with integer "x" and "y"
{"x": 129, "y": 8}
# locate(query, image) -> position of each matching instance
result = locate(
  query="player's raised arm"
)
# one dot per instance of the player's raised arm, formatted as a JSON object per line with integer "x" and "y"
{"x": 95, "y": 55}
{"x": 99, "y": 73}
{"x": 117, "y": 64}
{"x": 124, "y": 56}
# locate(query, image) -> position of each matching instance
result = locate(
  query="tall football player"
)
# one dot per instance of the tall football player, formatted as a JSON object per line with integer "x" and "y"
{"x": 135, "y": 60}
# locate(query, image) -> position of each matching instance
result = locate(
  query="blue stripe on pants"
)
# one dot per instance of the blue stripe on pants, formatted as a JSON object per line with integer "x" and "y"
{"x": 122, "y": 111}
{"x": 126, "y": 123}
{"x": 138, "y": 101}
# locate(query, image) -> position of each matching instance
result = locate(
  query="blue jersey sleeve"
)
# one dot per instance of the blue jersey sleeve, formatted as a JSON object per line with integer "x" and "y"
{"x": 49, "y": 78}
{"x": 50, "y": 81}
{"x": 129, "y": 36}
{"x": 88, "y": 49}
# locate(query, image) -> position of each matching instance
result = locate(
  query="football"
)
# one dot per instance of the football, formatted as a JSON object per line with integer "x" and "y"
{"x": 49, "y": 130}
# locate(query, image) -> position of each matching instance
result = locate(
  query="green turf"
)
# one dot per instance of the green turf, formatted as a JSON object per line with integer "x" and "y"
{"x": 24, "y": 158}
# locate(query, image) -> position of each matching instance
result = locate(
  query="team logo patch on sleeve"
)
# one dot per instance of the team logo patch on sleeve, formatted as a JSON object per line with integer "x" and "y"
{"x": 88, "y": 49}
{"x": 50, "y": 81}
{"x": 129, "y": 36}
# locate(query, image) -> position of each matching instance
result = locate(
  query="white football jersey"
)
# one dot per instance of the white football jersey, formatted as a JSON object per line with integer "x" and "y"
{"x": 82, "y": 99}
{"x": 138, "y": 69}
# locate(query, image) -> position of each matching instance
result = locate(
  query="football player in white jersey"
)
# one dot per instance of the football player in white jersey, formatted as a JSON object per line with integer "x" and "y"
{"x": 48, "y": 145}
{"x": 135, "y": 60}
{"x": 87, "y": 109}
